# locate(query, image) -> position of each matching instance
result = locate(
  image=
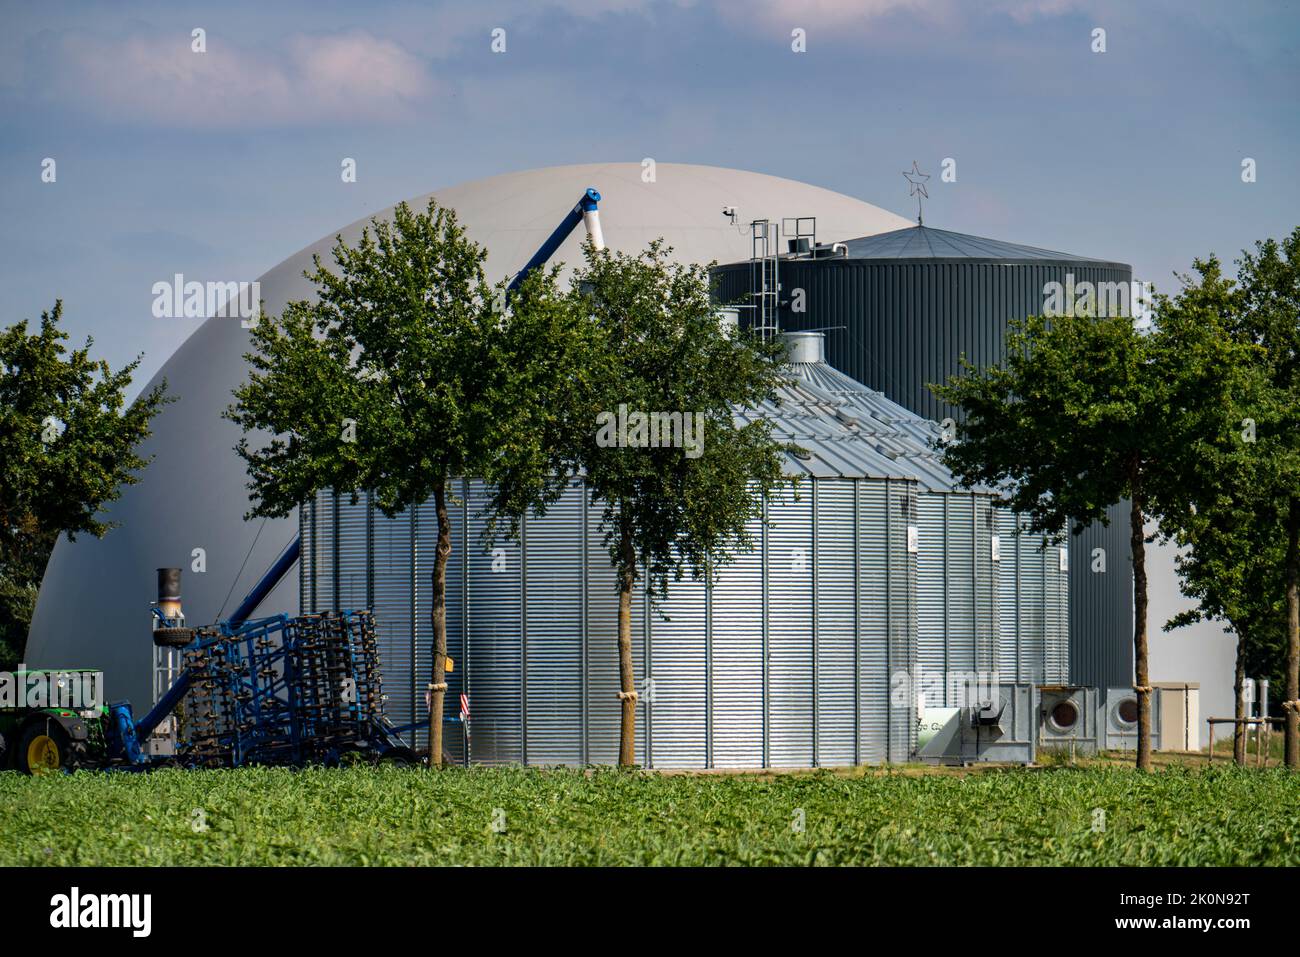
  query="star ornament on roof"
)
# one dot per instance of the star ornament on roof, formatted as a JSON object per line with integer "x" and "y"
{"x": 916, "y": 181}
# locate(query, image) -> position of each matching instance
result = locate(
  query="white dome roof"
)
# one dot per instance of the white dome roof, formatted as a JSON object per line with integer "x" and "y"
{"x": 93, "y": 606}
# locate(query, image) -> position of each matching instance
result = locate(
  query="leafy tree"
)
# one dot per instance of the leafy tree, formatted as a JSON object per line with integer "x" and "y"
{"x": 67, "y": 446}
{"x": 665, "y": 510}
{"x": 1231, "y": 561}
{"x": 398, "y": 378}
{"x": 1090, "y": 411}
{"x": 1266, "y": 315}
{"x": 1234, "y": 568}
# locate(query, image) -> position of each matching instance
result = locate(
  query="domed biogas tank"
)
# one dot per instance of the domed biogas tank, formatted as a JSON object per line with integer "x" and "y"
{"x": 95, "y": 597}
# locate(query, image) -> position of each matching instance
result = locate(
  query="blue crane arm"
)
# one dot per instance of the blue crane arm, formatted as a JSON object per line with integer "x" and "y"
{"x": 585, "y": 207}
{"x": 586, "y": 204}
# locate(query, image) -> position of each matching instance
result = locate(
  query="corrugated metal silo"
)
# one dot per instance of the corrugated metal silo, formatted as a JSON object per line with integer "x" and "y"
{"x": 978, "y": 613}
{"x": 785, "y": 661}
{"x": 899, "y": 309}
{"x": 790, "y": 659}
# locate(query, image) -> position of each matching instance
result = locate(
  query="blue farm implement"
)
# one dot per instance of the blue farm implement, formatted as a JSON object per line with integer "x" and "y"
{"x": 279, "y": 690}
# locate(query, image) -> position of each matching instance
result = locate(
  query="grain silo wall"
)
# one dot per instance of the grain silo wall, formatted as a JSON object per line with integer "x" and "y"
{"x": 785, "y": 661}
{"x": 899, "y": 325}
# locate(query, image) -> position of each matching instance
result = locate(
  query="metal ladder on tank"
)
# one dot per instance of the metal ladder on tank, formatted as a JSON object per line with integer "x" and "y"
{"x": 765, "y": 276}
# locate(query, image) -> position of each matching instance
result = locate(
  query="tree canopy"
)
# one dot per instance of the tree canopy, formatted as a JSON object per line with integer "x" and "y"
{"x": 68, "y": 441}
{"x": 1088, "y": 411}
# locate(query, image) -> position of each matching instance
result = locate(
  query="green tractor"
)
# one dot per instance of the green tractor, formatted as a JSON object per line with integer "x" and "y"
{"x": 43, "y": 729}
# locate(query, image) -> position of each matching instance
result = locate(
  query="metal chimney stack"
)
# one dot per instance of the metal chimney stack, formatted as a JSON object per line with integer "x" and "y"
{"x": 169, "y": 597}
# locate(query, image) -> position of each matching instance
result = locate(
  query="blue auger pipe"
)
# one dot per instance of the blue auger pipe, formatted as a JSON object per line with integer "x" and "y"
{"x": 586, "y": 208}
{"x": 266, "y": 584}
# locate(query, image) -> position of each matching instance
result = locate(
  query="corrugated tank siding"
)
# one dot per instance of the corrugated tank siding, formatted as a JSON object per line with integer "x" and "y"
{"x": 351, "y": 571}
{"x": 496, "y": 641}
{"x": 899, "y": 325}
{"x": 790, "y": 632}
{"x": 1011, "y": 626}
{"x": 959, "y": 545}
{"x": 986, "y": 588}
{"x": 1056, "y": 597}
{"x": 932, "y": 591}
{"x": 390, "y": 584}
{"x": 901, "y": 604}
{"x": 1101, "y": 604}
{"x": 1033, "y": 599}
{"x": 307, "y": 557}
{"x": 678, "y": 718}
{"x": 737, "y": 648}
{"x": 541, "y": 663}
{"x": 835, "y": 620}
{"x": 882, "y": 575}
{"x": 553, "y": 632}
{"x": 957, "y": 594}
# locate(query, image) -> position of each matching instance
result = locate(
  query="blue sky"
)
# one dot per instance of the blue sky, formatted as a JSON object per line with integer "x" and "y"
{"x": 220, "y": 165}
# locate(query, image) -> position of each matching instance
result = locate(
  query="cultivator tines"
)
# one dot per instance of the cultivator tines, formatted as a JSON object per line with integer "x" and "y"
{"x": 208, "y": 709}
{"x": 284, "y": 691}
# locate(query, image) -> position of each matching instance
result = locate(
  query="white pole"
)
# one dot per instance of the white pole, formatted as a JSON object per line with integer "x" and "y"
{"x": 591, "y": 219}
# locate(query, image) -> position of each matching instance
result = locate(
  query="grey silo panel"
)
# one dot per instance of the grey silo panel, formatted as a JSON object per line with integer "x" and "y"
{"x": 736, "y": 668}
{"x": 1033, "y": 608}
{"x": 932, "y": 586}
{"x": 496, "y": 641}
{"x": 902, "y": 511}
{"x": 1008, "y": 579}
{"x": 1057, "y": 616}
{"x": 678, "y": 657}
{"x": 986, "y": 587}
{"x": 602, "y": 674}
{"x": 553, "y": 632}
{"x": 306, "y": 558}
{"x": 790, "y": 633}
{"x": 959, "y": 544}
{"x": 877, "y": 572}
{"x": 324, "y": 553}
{"x": 1101, "y": 603}
{"x": 834, "y": 618}
{"x": 390, "y": 588}
{"x": 351, "y": 571}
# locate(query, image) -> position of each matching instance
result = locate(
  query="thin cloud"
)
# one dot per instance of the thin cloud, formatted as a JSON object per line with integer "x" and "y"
{"x": 156, "y": 79}
{"x": 853, "y": 14}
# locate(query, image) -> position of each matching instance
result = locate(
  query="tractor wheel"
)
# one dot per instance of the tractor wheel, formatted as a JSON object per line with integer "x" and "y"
{"x": 173, "y": 637}
{"x": 45, "y": 748}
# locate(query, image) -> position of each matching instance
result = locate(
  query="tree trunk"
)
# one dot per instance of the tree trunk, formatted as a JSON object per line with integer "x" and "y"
{"x": 1291, "y": 707}
{"x": 1137, "y": 542}
{"x": 438, "y": 614}
{"x": 1239, "y": 693}
{"x": 626, "y": 679}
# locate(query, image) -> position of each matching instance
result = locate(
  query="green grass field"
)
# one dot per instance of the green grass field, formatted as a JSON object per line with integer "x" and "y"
{"x": 484, "y": 816}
